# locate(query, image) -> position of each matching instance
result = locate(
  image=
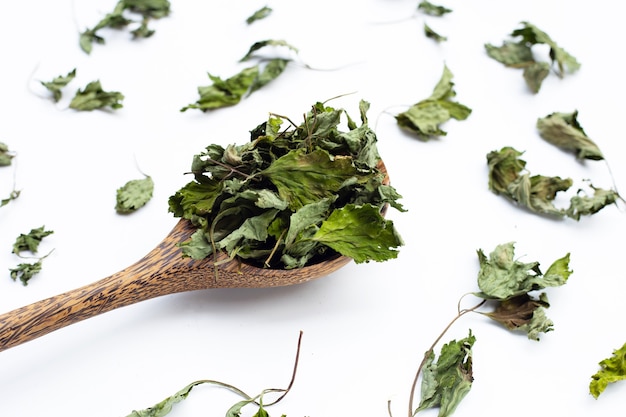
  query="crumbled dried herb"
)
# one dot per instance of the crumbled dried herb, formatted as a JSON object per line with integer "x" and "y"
{"x": 425, "y": 117}
{"x": 518, "y": 53}
{"x": 292, "y": 196}
{"x": 58, "y": 83}
{"x": 262, "y": 13}
{"x": 93, "y": 97}
{"x": 564, "y": 131}
{"x": 28, "y": 242}
{"x": 6, "y": 156}
{"x": 432, "y": 9}
{"x": 228, "y": 92}
{"x": 133, "y": 195}
{"x": 430, "y": 33}
{"x": 537, "y": 192}
{"x": 117, "y": 19}
{"x": 612, "y": 370}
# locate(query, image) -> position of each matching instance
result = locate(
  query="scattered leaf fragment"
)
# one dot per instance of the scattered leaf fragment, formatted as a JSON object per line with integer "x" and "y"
{"x": 430, "y": 33}
{"x": 537, "y": 192}
{"x": 446, "y": 382}
{"x": 25, "y": 271}
{"x": 93, "y": 97}
{"x": 133, "y": 195}
{"x": 518, "y": 53}
{"x": 612, "y": 370}
{"x": 5, "y": 155}
{"x": 564, "y": 131}
{"x": 58, "y": 83}
{"x": 432, "y": 9}
{"x": 117, "y": 19}
{"x": 424, "y": 117}
{"x": 12, "y": 196}
{"x": 30, "y": 241}
{"x": 267, "y": 43}
{"x": 262, "y": 13}
{"x": 510, "y": 283}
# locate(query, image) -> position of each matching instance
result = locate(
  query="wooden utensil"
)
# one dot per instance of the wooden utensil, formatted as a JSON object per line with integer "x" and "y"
{"x": 162, "y": 271}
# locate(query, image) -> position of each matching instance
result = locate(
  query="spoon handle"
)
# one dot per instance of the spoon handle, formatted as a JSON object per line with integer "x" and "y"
{"x": 163, "y": 271}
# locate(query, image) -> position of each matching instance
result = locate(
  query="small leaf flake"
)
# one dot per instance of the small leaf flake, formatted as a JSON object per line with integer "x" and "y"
{"x": 446, "y": 382}
{"x": 133, "y": 195}
{"x": 612, "y": 370}
{"x": 6, "y": 156}
{"x": 432, "y": 9}
{"x": 262, "y": 13}
{"x": 564, "y": 131}
{"x": 93, "y": 97}
{"x": 25, "y": 271}
{"x": 58, "y": 83}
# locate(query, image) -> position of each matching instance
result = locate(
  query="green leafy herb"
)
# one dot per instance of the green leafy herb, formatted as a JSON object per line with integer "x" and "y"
{"x": 147, "y": 9}
{"x": 133, "y": 195}
{"x": 223, "y": 93}
{"x": 564, "y": 130}
{"x": 93, "y": 97}
{"x": 537, "y": 192}
{"x": 612, "y": 369}
{"x": 432, "y": 9}
{"x": 433, "y": 35}
{"x": 291, "y": 197}
{"x": 58, "y": 83}
{"x": 25, "y": 271}
{"x": 446, "y": 382}
{"x": 5, "y": 155}
{"x": 424, "y": 118}
{"x": 262, "y": 13}
{"x": 510, "y": 282}
{"x": 12, "y": 196}
{"x": 518, "y": 53}
{"x": 30, "y": 241}
{"x": 163, "y": 408}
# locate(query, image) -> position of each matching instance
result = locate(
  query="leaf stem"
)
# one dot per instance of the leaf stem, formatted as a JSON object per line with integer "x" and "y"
{"x": 460, "y": 313}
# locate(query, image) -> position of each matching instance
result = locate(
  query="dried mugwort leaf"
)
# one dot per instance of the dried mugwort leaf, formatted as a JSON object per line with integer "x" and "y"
{"x": 612, "y": 370}
{"x": 31, "y": 240}
{"x": 133, "y": 195}
{"x": 25, "y": 271}
{"x": 425, "y": 117}
{"x": 564, "y": 131}
{"x": 446, "y": 382}
{"x": 510, "y": 283}
{"x": 432, "y": 9}
{"x": 262, "y": 13}
{"x": 5, "y": 155}
{"x": 58, "y": 83}
{"x": 430, "y": 33}
{"x": 12, "y": 196}
{"x": 518, "y": 53}
{"x": 93, "y": 97}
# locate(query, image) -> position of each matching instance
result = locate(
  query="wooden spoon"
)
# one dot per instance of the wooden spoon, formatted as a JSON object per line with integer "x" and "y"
{"x": 162, "y": 271}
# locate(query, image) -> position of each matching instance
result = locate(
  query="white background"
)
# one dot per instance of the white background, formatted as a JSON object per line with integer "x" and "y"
{"x": 366, "y": 326}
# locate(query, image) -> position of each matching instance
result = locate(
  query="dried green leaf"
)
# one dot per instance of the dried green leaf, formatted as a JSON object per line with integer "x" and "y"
{"x": 583, "y": 205}
{"x": 432, "y": 9}
{"x": 262, "y": 13}
{"x": 223, "y": 93}
{"x": 303, "y": 178}
{"x": 612, "y": 370}
{"x": 564, "y": 131}
{"x": 30, "y": 241}
{"x": 5, "y": 155}
{"x": 361, "y": 233}
{"x": 523, "y": 313}
{"x": 58, "y": 83}
{"x": 270, "y": 72}
{"x": 446, "y": 382}
{"x": 164, "y": 407}
{"x": 425, "y": 117}
{"x": 519, "y": 54}
{"x": 505, "y": 166}
{"x": 12, "y": 196}
{"x": 133, "y": 195}
{"x": 25, "y": 271}
{"x": 267, "y": 43}
{"x": 502, "y": 277}
{"x": 430, "y": 33}
{"x": 93, "y": 97}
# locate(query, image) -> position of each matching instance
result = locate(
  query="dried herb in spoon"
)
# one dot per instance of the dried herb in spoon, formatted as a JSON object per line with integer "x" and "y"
{"x": 292, "y": 196}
